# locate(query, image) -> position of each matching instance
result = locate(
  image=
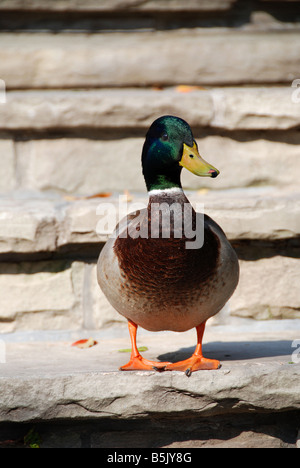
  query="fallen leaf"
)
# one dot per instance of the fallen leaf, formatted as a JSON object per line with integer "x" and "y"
{"x": 187, "y": 88}
{"x": 88, "y": 197}
{"x": 100, "y": 195}
{"x": 70, "y": 197}
{"x": 127, "y": 197}
{"x": 87, "y": 343}
{"x": 202, "y": 191}
{"x": 128, "y": 350}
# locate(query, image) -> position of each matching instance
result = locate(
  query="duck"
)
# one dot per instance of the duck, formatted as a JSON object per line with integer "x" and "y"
{"x": 166, "y": 266}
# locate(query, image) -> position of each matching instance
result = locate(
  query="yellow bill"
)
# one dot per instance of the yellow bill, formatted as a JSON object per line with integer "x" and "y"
{"x": 193, "y": 162}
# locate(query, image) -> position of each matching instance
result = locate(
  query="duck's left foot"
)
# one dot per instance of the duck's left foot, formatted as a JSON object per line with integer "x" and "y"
{"x": 194, "y": 363}
{"x": 139, "y": 363}
{"x": 136, "y": 361}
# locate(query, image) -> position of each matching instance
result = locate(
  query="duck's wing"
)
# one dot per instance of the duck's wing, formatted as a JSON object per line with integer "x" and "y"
{"x": 108, "y": 271}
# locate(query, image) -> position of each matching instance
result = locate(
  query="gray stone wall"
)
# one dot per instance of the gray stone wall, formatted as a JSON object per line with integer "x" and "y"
{"x": 84, "y": 80}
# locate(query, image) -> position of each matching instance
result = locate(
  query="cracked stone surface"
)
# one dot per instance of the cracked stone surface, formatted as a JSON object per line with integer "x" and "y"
{"x": 52, "y": 380}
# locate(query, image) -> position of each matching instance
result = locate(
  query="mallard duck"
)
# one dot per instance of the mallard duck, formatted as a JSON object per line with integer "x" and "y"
{"x": 150, "y": 271}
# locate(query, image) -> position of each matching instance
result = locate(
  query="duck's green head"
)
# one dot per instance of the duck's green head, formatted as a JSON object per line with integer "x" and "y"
{"x": 170, "y": 146}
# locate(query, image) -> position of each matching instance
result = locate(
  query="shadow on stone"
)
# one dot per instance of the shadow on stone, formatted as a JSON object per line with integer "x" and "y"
{"x": 235, "y": 351}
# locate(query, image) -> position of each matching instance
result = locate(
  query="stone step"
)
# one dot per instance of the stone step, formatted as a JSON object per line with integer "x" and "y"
{"x": 120, "y": 59}
{"x": 54, "y": 383}
{"x": 132, "y": 15}
{"x": 250, "y": 119}
{"x": 134, "y": 109}
{"x": 49, "y": 249}
{"x": 128, "y": 6}
{"x": 64, "y": 295}
{"x": 86, "y": 166}
{"x": 32, "y": 225}
{"x": 117, "y": 5}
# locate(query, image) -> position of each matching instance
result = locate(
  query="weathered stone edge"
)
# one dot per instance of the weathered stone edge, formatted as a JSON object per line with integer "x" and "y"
{"x": 116, "y": 5}
{"x": 121, "y": 59}
{"x": 232, "y": 108}
{"x": 140, "y": 395}
{"x": 45, "y": 226}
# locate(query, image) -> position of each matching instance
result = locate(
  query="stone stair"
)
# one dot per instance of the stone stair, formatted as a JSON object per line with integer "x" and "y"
{"x": 83, "y": 82}
{"x": 49, "y": 248}
{"x": 54, "y": 138}
{"x": 75, "y": 398}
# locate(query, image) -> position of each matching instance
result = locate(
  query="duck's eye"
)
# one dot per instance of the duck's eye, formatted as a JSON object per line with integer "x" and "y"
{"x": 191, "y": 155}
{"x": 164, "y": 137}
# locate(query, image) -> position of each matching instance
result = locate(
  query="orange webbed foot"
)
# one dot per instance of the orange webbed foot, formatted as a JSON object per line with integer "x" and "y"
{"x": 192, "y": 364}
{"x": 196, "y": 361}
{"x": 136, "y": 361}
{"x": 139, "y": 363}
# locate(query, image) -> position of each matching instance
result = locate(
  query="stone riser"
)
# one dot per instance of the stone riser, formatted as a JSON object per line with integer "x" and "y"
{"x": 251, "y": 130}
{"x": 62, "y": 295}
{"x": 42, "y": 226}
{"x": 259, "y": 128}
{"x": 117, "y": 5}
{"x": 118, "y": 59}
{"x": 84, "y": 166}
{"x": 134, "y": 109}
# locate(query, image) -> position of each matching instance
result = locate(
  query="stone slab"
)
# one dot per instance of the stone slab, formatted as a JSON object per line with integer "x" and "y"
{"x": 117, "y": 5}
{"x": 278, "y": 298}
{"x": 58, "y": 294}
{"x": 64, "y": 294}
{"x": 256, "y": 214}
{"x": 80, "y": 166}
{"x": 230, "y": 108}
{"x": 8, "y": 165}
{"x": 269, "y": 214}
{"x": 31, "y": 224}
{"x": 28, "y": 225}
{"x": 85, "y": 166}
{"x": 53, "y": 381}
{"x": 41, "y": 295}
{"x": 256, "y": 107}
{"x": 120, "y": 59}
